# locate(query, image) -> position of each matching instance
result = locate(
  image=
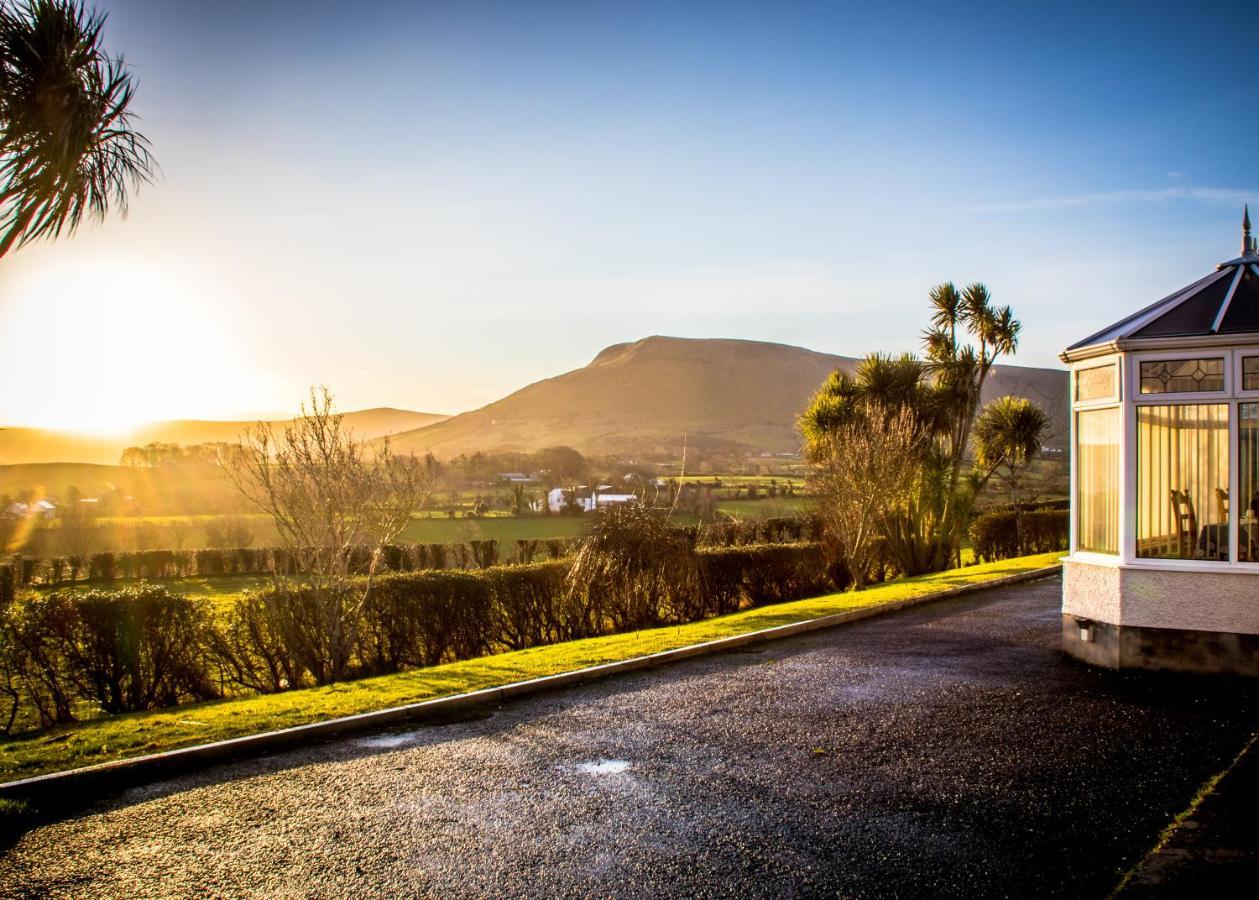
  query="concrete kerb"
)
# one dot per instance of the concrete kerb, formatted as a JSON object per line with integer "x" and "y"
{"x": 79, "y": 786}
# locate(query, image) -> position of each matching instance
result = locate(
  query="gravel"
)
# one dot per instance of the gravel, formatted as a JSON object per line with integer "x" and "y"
{"x": 951, "y": 750}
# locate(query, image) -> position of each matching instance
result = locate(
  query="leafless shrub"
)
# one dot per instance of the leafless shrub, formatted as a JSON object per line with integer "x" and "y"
{"x": 636, "y": 569}
{"x": 860, "y": 478}
{"x": 332, "y": 498}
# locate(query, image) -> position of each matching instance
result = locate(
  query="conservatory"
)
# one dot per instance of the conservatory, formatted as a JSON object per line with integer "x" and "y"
{"x": 1164, "y": 563}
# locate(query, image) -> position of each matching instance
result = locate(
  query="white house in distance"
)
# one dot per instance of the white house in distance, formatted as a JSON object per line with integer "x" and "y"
{"x": 1164, "y": 563}
{"x": 586, "y": 499}
{"x": 40, "y": 509}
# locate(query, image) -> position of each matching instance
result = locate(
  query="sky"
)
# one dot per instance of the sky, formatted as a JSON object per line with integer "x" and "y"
{"x": 428, "y": 206}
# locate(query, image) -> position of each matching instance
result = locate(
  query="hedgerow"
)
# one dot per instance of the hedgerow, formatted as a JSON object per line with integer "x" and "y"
{"x": 121, "y": 651}
{"x": 143, "y": 647}
{"x": 994, "y": 535}
{"x": 155, "y": 564}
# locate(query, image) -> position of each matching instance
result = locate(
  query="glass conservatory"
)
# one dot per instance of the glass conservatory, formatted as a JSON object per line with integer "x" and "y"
{"x": 1164, "y": 563}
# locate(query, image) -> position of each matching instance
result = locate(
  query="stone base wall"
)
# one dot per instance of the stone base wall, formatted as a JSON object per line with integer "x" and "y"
{"x": 1162, "y": 618}
{"x": 1171, "y": 649}
{"x": 1162, "y": 598}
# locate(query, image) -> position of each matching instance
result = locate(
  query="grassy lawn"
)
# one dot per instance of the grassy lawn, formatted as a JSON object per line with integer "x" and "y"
{"x": 762, "y": 509}
{"x": 221, "y": 590}
{"x": 505, "y": 529}
{"x": 741, "y": 480}
{"x": 134, "y": 734}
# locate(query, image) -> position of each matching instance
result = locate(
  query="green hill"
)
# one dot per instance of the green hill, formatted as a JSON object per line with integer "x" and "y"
{"x": 642, "y": 397}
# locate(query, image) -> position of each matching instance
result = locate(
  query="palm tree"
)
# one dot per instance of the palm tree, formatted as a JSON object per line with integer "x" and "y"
{"x": 960, "y": 371}
{"x": 68, "y": 150}
{"x": 966, "y": 337}
{"x": 881, "y": 390}
{"x": 1008, "y": 433}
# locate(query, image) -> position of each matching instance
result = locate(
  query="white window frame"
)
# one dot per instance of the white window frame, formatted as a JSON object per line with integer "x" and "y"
{"x": 1132, "y": 472}
{"x": 1114, "y": 402}
{"x": 1098, "y": 363}
{"x": 1238, "y": 356}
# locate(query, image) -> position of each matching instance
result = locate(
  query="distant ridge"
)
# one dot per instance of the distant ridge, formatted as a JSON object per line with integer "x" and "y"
{"x": 636, "y": 398}
{"x": 641, "y": 397}
{"x": 36, "y": 445}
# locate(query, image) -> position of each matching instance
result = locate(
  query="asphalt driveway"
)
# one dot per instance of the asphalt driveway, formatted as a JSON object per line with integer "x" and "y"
{"x": 946, "y": 751}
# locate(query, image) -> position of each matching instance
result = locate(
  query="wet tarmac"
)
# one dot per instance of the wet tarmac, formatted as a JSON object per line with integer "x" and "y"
{"x": 950, "y": 750}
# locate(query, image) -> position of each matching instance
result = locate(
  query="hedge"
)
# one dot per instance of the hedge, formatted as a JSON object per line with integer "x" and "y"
{"x": 142, "y": 647}
{"x": 778, "y": 530}
{"x": 137, "y": 648}
{"x": 994, "y": 535}
{"x": 155, "y": 564}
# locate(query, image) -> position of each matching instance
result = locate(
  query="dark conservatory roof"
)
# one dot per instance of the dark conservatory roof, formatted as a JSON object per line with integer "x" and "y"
{"x": 1224, "y": 303}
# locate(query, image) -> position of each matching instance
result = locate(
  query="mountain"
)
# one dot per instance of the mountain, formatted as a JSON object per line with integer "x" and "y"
{"x": 368, "y": 424}
{"x": 37, "y": 445}
{"x": 640, "y": 398}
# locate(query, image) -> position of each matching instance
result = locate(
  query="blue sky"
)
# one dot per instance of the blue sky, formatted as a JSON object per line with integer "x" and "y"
{"x": 429, "y": 205}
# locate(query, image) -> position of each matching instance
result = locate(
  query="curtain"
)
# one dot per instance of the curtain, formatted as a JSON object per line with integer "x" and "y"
{"x": 1097, "y": 480}
{"x": 1182, "y": 481}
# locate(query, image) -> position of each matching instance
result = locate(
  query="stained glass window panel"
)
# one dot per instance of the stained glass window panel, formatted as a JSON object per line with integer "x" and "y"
{"x": 1250, "y": 373}
{"x": 1097, "y": 383}
{"x": 1182, "y": 376}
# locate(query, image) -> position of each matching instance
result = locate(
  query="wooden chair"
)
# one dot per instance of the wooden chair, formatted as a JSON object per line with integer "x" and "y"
{"x": 1221, "y": 505}
{"x": 1186, "y": 522}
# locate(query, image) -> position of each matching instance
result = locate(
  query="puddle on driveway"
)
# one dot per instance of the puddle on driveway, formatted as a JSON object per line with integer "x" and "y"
{"x": 603, "y": 767}
{"x": 387, "y": 741}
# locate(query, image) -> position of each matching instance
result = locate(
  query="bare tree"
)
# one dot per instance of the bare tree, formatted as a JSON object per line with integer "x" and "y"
{"x": 861, "y": 478}
{"x": 336, "y": 502}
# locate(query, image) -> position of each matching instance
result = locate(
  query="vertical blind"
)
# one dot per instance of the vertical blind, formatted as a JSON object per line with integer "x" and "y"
{"x": 1182, "y": 481}
{"x": 1248, "y": 481}
{"x": 1097, "y": 480}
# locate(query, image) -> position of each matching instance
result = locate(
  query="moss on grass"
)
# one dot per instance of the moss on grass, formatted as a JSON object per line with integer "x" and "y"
{"x": 117, "y": 737}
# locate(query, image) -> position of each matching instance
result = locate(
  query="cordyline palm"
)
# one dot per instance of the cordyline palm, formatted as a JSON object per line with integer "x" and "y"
{"x": 967, "y": 335}
{"x": 1008, "y": 433}
{"x": 67, "y": 147}
{"x": 882, "y": 388}
{"x": 959, "y": 368}
{"x": 892, "y": 383}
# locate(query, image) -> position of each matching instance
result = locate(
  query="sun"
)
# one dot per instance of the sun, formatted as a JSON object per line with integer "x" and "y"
{"x": 104, "y": 346}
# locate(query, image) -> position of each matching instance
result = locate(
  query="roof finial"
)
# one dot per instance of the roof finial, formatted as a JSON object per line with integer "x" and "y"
{"x": 1248, "y": 243}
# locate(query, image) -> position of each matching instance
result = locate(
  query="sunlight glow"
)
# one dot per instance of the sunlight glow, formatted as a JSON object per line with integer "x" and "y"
{"x": 102, "y": 347}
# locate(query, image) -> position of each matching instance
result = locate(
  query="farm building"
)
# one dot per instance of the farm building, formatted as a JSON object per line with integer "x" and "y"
{"x": 586, "y": 498}
{"x": 1164, "y": 563}
{"x": 39, "y": 509}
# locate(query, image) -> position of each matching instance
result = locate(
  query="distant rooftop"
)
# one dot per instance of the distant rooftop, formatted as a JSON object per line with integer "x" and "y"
{"x": 1226, "y": 302}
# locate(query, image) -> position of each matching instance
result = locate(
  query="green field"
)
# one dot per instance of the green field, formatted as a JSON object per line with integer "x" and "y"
{"x": 504, "y": 529}
{"x": 220, "y": 590}
{"x": 796, "y": 481}
{"x": 186, "y": 532}
{"x": 117, "y": 737}
{"x": 763, "y": 509}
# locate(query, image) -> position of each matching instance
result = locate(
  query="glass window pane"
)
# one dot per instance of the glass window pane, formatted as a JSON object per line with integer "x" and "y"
{"x": 1250, "y": 373}
{"x": 1182, "y": 482}
{"x": 1248, "y": 482}
{"x": 1182, "y": 376}
{"x": 1097, "y": 383}
{"x": 1097, "y": 480}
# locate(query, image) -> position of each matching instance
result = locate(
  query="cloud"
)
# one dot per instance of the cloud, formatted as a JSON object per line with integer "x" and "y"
{"x": 1226, "y": 196}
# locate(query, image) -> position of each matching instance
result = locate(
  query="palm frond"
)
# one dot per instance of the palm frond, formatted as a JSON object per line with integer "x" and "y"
{"x": 68, "y": 149}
